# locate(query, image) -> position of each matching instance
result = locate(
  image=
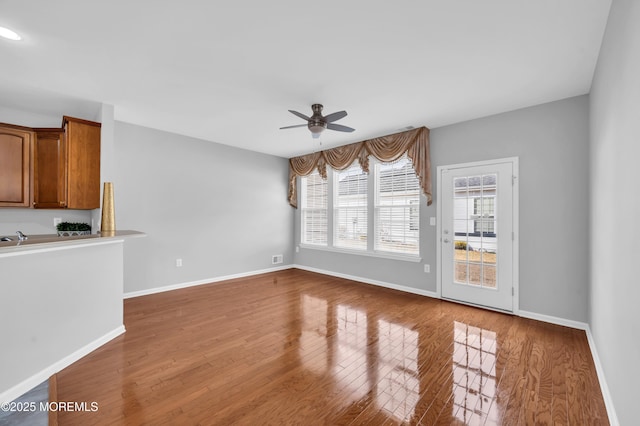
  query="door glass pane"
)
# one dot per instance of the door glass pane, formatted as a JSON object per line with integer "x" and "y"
{"x": 460, "y": 272}
{"x": 474, "y": 226}
{"x": 460, "y": 200}
{"x": 488, "y": 257}
{"x": 475, "y": 273}
{"x": 489, "y": 276}
{"x": 461, "y": 258}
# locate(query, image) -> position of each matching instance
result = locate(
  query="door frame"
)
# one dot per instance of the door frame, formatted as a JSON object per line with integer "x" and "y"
{"x": 516, "y": 227}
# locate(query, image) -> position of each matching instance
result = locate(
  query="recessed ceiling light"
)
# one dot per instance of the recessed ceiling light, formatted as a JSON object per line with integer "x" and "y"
{"x": 7, "y": 33}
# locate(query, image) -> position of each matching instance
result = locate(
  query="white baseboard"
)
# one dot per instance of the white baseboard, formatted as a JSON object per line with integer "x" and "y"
{"x": 370, "y": 281}
{"x": 553, "y": 320}
{"x": 604, "y": 388}
{"x": 43, "y": 375}
{"x": 178, "y": 286}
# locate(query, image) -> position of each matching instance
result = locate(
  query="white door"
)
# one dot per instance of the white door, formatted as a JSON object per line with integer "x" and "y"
{"x": 477, "y": 236}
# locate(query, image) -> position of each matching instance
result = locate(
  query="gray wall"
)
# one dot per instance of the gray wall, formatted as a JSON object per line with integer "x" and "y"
{"x": 222, "y": 210}
{"x": 551, "y": 142}
{"x": 31, "y": 221}
{"x": 615, "y": 207}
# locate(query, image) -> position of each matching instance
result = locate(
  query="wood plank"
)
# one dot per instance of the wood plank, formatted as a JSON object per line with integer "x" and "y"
{"x": 543, "y": 413}
{"x": 53, "y": 395}
{"x": 560, "y": 364}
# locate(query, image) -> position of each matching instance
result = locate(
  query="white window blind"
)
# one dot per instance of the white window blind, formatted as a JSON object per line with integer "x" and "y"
{"x": 314, "y": 209}
{"x": 350, "y": 208}
{"x": 397, "y": 215}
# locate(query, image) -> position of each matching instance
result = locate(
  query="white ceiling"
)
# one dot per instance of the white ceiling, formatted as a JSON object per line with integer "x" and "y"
{"x": 228, "y": 71}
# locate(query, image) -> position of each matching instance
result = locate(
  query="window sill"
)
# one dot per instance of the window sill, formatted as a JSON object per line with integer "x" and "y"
{"x": 383, "y": 255}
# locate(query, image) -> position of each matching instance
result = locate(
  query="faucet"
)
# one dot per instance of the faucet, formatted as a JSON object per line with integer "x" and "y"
{"x": 21, "y": 236}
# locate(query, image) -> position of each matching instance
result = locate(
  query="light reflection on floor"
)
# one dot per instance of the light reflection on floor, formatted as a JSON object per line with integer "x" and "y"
{"x": 313, "y": 340}
{"x": 399, "y": 389}
{"x": 474, "y": 375}
{"x": 393, "y": 380}
{"x": 350, "y": 366}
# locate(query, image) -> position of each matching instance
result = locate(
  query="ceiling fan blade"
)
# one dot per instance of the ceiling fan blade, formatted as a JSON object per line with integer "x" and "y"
{"x": 335, "y": 116}
{"x": 299, "y": 114}
{"x": 339, "y": 128}
{"x": 291, "y": 127}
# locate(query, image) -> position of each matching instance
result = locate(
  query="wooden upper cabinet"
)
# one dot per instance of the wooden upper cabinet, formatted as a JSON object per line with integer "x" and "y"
{"x": 82, "y": 139}
{"x": 15, "y": 166}
{"x": 49, "y": 169}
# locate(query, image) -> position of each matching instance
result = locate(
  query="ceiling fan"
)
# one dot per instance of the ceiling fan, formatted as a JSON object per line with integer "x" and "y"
{"x": 317, "y": 123}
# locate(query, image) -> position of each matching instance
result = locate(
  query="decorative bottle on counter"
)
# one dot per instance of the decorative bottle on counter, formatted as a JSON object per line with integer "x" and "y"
{"x": 108, "y": 224}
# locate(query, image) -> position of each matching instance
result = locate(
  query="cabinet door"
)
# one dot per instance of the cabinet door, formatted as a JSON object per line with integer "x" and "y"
{"x": 15, "y": 162}
{"x": 49, "y": 169}
{"x": 83, "y": 163}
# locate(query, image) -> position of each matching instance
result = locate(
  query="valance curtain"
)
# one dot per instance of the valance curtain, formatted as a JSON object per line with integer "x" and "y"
{"x": 415, "y": 143}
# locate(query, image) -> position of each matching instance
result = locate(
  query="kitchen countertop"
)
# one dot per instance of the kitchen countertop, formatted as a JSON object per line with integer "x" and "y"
{"x": 45, "y": 241}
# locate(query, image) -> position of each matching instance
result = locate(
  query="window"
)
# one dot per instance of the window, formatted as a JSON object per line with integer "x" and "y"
{"x": 374, "y": 214}
{"x": 313, "y": 196}
{"x": 397, "y": 207}
{"x": 350, "y": 208}
{"x": 484, "y": 215}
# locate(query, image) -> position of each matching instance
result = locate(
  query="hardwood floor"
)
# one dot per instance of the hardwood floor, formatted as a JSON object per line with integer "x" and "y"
{"x": 295, "y": 347}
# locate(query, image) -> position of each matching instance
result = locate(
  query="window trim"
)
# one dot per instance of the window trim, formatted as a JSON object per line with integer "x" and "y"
{"x": 378, "y": 254}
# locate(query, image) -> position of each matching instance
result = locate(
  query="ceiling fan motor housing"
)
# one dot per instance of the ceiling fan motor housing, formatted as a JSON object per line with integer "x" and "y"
{"x": 317, "y": 123}
{"x": 316, "y": 126}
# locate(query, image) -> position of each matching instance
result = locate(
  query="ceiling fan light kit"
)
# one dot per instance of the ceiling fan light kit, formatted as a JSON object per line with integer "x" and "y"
{"x": 317, "y": 123}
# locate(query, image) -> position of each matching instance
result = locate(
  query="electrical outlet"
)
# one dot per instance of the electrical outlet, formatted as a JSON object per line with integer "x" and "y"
{"x": 178, "y": 263}
{"x": 427, "y": 268}
{"x": 276, "y": 259}
{"x": 432, "y": 221}
{"x": 56, "y": 221}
